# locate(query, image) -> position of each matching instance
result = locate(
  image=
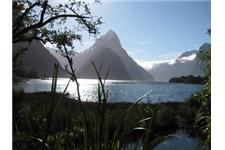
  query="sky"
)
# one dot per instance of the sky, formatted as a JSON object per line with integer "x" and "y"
{"x": 154, "y": 30}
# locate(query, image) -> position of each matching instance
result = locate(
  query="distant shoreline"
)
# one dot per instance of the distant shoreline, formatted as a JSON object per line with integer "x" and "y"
{"x": 188, "y": 80}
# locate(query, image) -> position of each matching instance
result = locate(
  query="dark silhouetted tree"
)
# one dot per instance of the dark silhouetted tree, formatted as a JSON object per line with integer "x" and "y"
{"x": 46, "y": 21}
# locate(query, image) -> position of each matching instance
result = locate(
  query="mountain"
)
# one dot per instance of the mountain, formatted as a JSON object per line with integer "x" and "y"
{"x": 188, "y": 53}
{"x": 108, "y": 53}
{"x": 38, "y": 59}
{"x": 59, "y": 56}
{"x": 186, "y": 64}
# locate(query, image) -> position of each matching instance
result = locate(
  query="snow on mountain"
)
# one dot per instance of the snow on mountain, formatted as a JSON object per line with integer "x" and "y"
{"x": 184, "y": 59}
{"x": 186, "y": 64}
{"x": 188, "y": 53}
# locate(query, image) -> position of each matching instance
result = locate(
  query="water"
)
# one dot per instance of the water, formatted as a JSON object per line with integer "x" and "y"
{"x": 128, "y": 91}
{"x": 181, "y": 141}
{"x": 177, "y": 141}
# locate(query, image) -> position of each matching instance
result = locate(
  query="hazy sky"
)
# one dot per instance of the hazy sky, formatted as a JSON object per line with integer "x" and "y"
{"x": 155, "y": 30}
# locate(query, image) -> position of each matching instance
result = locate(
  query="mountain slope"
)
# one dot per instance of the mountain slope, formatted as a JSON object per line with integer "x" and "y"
{"x": 108, "y": 52}
{"x": 108, "y": 57}
{"x": 37, "y": 58}
{"x": 186, "y": 64}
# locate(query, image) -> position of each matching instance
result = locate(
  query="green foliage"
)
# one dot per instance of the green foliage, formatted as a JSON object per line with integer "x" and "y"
{"x": 202, "y": 100}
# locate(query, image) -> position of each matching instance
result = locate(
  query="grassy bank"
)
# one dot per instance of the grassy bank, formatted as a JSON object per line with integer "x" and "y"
{"x": 38, "y": 125}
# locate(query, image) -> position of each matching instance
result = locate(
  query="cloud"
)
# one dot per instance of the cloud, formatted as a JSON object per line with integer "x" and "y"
{"x": 169, "y": 59}
{"x": 150, "y": 64}
{"x": 143, "y": 42}
{"x": 50, "y": 45}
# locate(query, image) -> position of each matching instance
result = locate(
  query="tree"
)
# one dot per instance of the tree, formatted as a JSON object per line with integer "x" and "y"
{"x": 202, "y": 100}
{"x": 45, "y": 21}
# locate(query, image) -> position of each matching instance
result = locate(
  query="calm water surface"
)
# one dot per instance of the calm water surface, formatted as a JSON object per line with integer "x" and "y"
{"x": 177, "y": 141}
{"x": 119, "y": 90}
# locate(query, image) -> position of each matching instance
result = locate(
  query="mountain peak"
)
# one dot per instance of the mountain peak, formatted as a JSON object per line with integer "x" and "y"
{"x": 188, "y": 53}
{"x": 111, "y": 32}
{"x": 205, "y": 46}
{"x": 110, "y": 40}
{"x": 111, "y": 35}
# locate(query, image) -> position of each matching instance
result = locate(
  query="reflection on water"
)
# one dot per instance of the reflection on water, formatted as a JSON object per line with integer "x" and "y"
{"x": 118, "y": 90}
{"x": 179, "y": 141}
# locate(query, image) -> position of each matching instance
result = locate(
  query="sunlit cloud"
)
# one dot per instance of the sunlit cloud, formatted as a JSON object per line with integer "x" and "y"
{"x": 150, "y": 64}
{"x": 169, "y": 59}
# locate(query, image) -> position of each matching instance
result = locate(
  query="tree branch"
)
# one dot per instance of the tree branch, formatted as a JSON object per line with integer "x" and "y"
{"x": 83, "y": 20}
{"x": 43, "y": 11}
{"x": 24, "y": 14}
{"x": 41, "y": 24}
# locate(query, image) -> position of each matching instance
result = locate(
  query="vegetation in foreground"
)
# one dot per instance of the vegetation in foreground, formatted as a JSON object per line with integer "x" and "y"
{"x": 35, "y": 127}
{"x": 202, "y": 100}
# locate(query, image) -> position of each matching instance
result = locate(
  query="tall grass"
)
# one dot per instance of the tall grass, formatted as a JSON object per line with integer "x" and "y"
{"x": 67, "y": 126}
{"x": 54, "y": 77}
